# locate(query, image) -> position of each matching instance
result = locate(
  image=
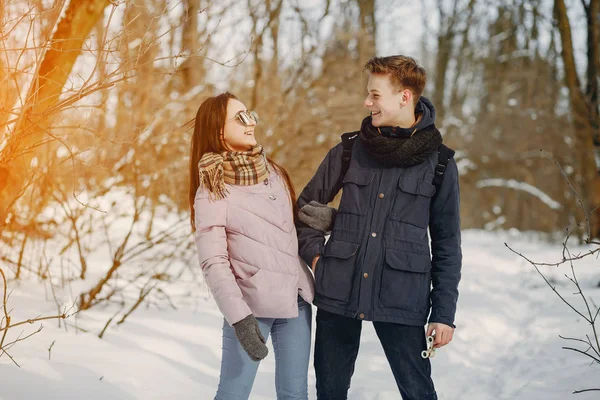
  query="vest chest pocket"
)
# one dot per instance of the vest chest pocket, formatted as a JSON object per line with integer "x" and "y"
{"x": 356, "y": 190}
{"x": 413, "y": 198}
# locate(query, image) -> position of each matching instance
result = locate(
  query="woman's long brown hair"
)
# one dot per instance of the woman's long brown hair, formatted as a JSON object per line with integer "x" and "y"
{"x": 208, "y": 129}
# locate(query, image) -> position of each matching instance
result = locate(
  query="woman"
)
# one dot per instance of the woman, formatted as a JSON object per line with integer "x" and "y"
{"x": 243, "y": 207}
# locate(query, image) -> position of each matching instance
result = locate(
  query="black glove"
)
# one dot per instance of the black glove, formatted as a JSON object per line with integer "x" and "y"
{"x": 318, "y": 216}
{"x": 250, "y": 338}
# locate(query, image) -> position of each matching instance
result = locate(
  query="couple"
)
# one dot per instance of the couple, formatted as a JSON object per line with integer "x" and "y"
{"x": 252, "y": 236}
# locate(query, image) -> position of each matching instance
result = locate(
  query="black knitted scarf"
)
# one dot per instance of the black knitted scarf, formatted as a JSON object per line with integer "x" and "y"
{"x": 406, "y": 148}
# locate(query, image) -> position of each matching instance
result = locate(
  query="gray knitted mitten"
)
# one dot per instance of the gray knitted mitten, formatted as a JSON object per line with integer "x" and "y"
{"x": 250, "y": 338}
{"x": 318, "y": 216}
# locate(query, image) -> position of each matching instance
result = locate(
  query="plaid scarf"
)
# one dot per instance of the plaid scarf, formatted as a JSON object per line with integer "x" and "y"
{"x": 232, "y": 167}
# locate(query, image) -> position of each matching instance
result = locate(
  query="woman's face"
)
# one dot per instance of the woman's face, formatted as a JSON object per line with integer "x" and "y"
{"x": 236, "y": 135}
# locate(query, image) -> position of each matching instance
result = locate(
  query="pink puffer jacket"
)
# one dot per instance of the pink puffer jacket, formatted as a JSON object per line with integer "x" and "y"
{"x": 248, "y": 251}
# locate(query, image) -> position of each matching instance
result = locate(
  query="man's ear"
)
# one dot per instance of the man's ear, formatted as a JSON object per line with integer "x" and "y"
{"x": 406, "y": 97}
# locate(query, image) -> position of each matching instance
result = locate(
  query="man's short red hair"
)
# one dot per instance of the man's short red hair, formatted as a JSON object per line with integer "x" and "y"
{"x": 404, "y": 72}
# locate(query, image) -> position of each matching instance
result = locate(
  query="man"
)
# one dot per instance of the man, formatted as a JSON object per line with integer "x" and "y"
{"x": 376, "y": 265}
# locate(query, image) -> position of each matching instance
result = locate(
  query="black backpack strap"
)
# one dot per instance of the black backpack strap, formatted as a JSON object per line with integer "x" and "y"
{"x": 444, "y": 155}
{"x": 348, "y": 140}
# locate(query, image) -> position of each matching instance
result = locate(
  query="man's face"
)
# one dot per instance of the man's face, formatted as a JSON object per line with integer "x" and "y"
{"x": 386, "y": 102}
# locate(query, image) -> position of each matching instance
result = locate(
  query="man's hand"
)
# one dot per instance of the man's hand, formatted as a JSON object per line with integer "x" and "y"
{"x": 314, "y": 262}
{"x": 443, "y": 333}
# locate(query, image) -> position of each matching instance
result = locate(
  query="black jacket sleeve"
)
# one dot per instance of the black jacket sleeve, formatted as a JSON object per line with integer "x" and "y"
{"x": 444, "y": 228}
{"x": 322, "y": 187}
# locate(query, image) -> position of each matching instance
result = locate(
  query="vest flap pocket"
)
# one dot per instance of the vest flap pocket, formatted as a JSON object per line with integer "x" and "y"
{"x": 335, "y": 270}
{"x": 340, "y": 249}
{"x": 416, "y": 186}
{"x": 405, "y": 281}
{"x": 359, "y": 176}
{"x": 410, "y": 262}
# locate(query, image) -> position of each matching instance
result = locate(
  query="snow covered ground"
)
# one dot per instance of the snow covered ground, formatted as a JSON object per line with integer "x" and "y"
{"x": 506, "y": 344}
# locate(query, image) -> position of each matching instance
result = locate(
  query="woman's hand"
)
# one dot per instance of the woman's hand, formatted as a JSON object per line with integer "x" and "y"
{"x": 318, "y": 216}
{"x": 250, "y": 338}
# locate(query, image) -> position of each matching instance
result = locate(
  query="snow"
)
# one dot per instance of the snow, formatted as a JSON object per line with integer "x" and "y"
{"x": 514, "y": 184}
{"x": 506, "y": 344}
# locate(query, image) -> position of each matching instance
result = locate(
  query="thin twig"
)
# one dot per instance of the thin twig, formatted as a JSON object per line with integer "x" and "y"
{"x": 584, "y": 353}
{"x": 535, "y": 265}
{"x": 50, "y": 350}
{"x": 586, "y": 390}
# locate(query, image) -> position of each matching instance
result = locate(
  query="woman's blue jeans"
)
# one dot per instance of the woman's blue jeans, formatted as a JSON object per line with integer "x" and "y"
{"x": 291, "y": 345}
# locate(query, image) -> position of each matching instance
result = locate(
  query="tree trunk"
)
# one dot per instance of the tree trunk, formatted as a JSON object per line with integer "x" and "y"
{"x": 38, "y": 111}
{"x": 591, "y": 93}
{"x": 581, "y": 121}
{"x": 192, "y": 69}
{"x": 441, "y": 66}
{"x": 366, "y": 39}
{"x": 366, "y": 36}
{"x": 444, "y": 51}
{"x": 102, "y": 72}
{"x": 258, "y": 72}
{"x": 272, "y": 14}
{"x": 464, "y": 52}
